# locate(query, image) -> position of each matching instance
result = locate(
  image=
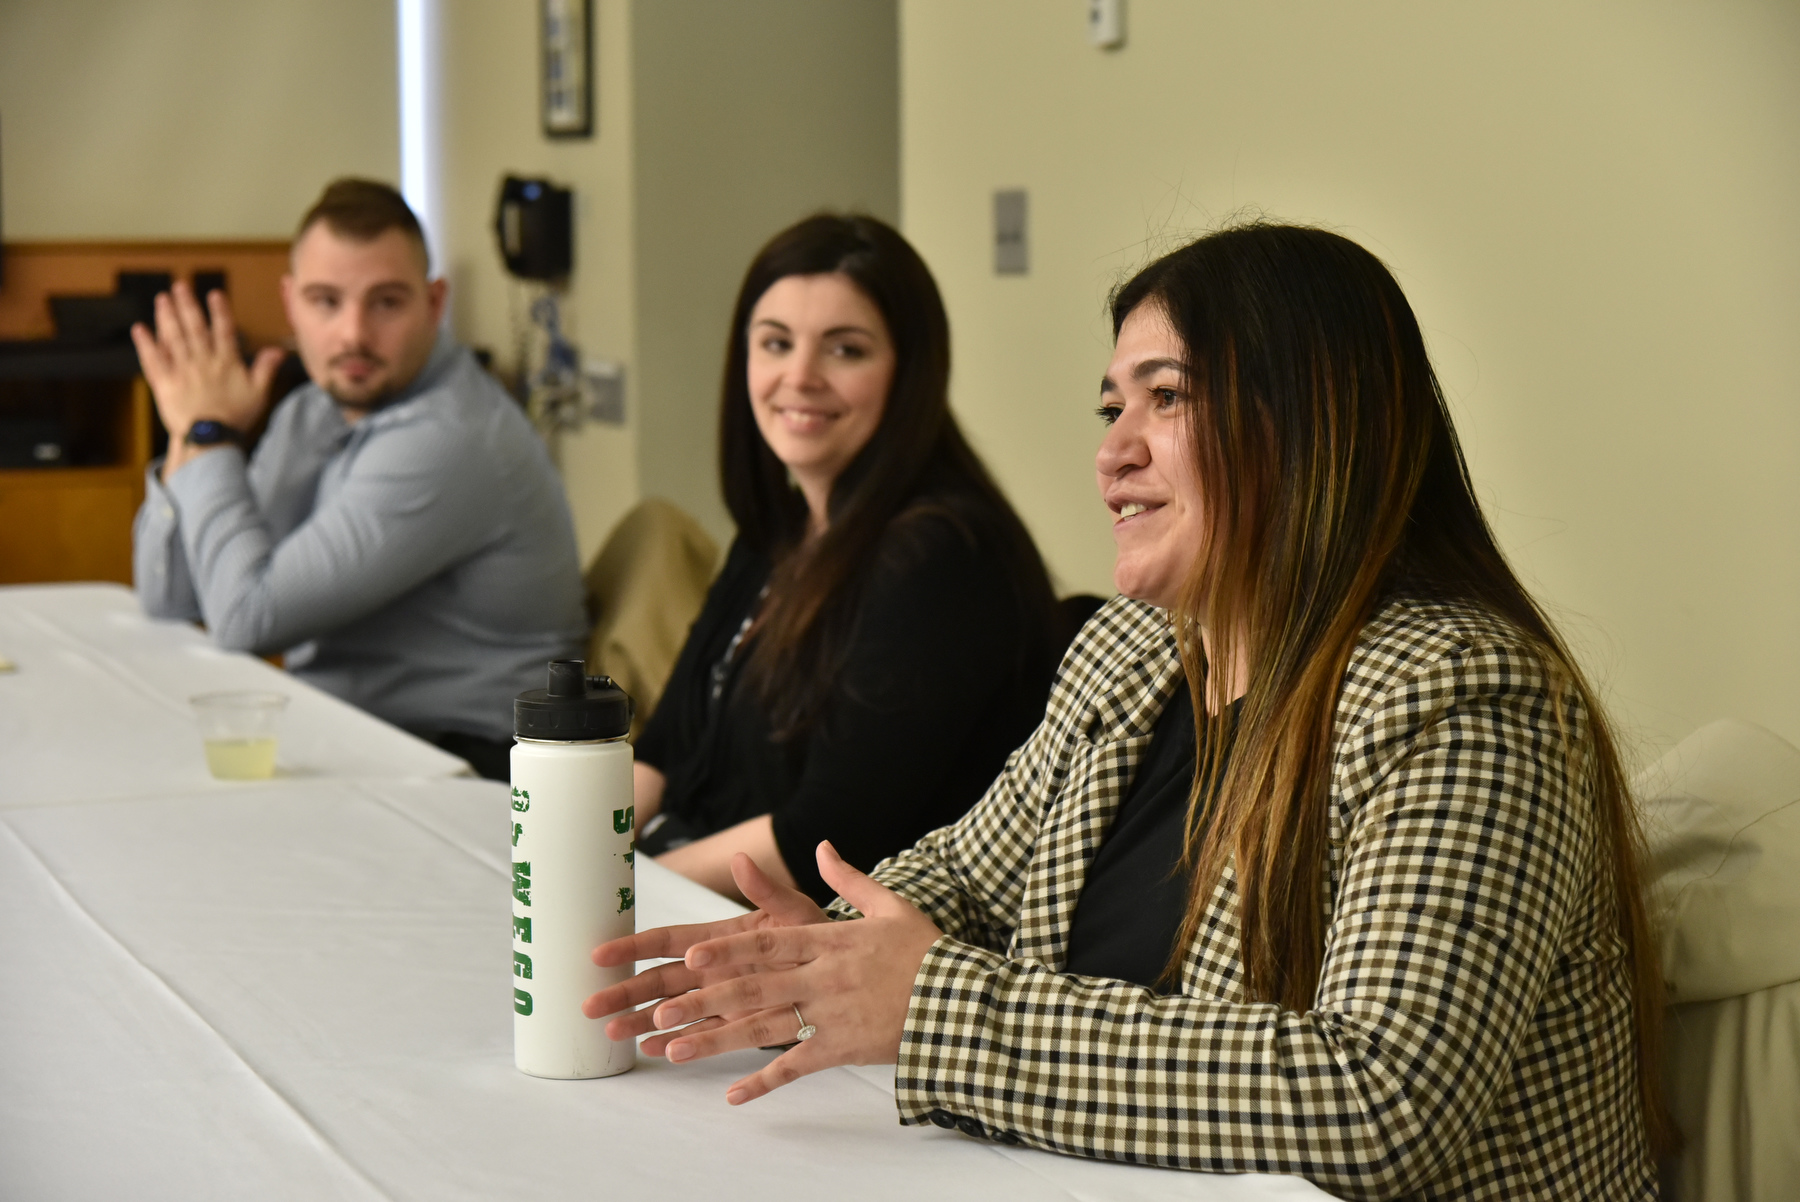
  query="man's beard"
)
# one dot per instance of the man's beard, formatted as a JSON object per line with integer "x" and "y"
{"x": 365, "y": 403}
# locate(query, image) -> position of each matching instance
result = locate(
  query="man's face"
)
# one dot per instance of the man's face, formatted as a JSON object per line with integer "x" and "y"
{"x": 363, "y": 312}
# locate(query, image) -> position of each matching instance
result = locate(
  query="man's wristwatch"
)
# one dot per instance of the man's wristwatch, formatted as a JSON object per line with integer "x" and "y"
{"x": 209, "y": 433}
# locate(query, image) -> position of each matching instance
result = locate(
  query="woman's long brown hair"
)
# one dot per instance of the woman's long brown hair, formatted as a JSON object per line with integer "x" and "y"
{"x": 917, "y": 464}
{"x": 1332, "y": 480}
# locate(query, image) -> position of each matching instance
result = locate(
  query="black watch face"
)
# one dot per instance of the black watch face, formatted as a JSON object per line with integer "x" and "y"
{"x": 207, "y": 433}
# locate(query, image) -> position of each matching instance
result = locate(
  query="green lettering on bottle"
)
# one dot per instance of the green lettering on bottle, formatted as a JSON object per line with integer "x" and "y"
{"x": 622, "y": 819}
{"x": 521, "y": 1001}
{"x": 626, "y": 901}
{"x": 631, "y": 856}
{"x": 521, "y": 965}
{"x": 521, "y": 800}
{"x": 522, "y": 881}
{"x": 521, "y": 929}
{"x": 517, "y": 831}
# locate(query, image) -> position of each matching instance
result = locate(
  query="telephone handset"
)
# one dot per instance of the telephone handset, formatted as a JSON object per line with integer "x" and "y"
{"x": 535, "y": 223}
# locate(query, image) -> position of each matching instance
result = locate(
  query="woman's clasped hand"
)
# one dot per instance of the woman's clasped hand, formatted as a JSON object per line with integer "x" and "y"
{"x": 748, "y": 981}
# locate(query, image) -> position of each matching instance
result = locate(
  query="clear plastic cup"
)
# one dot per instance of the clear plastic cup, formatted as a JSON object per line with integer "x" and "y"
{"x": 239, "y": 730}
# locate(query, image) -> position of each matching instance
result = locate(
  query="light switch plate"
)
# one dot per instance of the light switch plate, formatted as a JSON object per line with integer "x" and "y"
{"x": 603, "y": 386}
{"x": 1011, "y": 250}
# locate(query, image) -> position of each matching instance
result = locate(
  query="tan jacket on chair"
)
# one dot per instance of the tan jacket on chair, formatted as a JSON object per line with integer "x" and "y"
{"x": 647, "y": 586}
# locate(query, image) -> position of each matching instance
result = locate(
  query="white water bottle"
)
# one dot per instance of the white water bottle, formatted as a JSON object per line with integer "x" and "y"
{"x": 573, "y": 885}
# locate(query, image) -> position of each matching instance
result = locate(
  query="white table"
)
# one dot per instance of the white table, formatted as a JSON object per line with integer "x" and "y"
{"x": 97, "y": 705}
{"x": 301, "y": 989}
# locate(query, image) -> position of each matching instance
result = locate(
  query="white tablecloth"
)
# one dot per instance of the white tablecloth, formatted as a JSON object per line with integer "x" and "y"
{"x": 301, "y": 989}
{"x": 96, "y": 705}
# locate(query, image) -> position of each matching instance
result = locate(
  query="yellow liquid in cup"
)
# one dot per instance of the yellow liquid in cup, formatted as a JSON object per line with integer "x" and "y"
{"x": 241, "y": 759}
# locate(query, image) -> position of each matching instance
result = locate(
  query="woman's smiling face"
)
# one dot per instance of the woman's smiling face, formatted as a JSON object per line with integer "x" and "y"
{"x": 1145, "y": 467}
{"x": 821, "y": 362}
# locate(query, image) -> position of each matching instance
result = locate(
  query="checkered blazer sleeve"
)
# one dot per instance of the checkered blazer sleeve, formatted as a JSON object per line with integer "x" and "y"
{"x": 971, "y": 876}
{"x": 1462, "y": 841}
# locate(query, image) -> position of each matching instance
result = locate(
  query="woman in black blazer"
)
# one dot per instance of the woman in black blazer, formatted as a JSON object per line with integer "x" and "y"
{"x": 883, "y": 632}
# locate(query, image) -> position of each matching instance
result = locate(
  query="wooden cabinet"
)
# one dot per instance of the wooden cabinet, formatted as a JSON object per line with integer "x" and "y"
{"x": 74, "y": 522}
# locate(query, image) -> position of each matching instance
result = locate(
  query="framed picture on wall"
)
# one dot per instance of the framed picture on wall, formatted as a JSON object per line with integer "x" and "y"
{"x": 567, "y": 32}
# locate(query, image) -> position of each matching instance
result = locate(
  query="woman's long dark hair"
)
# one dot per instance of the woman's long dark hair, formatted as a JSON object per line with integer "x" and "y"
{"x": 916, "y": 463}
{"x": 1332, "y": 481}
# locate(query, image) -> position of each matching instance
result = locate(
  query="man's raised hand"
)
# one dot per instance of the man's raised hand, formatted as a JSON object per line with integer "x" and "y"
{"x": 194, "y": 369}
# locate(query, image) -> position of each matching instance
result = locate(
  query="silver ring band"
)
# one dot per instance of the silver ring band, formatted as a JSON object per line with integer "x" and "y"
{"x": 807, "y": 1030}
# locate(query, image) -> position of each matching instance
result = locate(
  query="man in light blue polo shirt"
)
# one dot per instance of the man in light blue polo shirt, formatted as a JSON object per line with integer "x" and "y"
{"x": 399, "y": 533}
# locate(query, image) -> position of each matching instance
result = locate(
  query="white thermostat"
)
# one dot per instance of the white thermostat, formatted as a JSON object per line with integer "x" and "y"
{"x": 1106, "y": 23}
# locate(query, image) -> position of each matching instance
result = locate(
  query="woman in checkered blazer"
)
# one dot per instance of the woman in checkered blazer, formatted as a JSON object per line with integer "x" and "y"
{"x": 1321, "y": 861}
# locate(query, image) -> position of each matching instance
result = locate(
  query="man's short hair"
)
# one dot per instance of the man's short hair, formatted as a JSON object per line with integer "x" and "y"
{"x": 362, "y": 210}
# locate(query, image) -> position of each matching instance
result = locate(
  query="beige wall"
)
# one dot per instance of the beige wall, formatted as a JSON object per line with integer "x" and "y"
{"x": 747, "y": 118}
{"x": 189, "y": 118}
{"x": 491, "y": 128}
{"x": 1591, "y": 205}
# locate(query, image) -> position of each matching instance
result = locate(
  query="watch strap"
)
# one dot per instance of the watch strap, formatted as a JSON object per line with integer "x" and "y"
{"x": 209, "y": 433}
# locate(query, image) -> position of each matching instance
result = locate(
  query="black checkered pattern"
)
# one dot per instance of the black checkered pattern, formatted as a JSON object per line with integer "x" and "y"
{"x": 1471, "y": 1036}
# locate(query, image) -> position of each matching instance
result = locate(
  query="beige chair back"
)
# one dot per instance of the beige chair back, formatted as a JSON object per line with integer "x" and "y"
{"x": 1722, "y": 812}
{"x": 645, "y": 588}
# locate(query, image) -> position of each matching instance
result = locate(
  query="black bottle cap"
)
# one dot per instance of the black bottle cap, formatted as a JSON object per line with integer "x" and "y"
{"x": 575, "y": 707}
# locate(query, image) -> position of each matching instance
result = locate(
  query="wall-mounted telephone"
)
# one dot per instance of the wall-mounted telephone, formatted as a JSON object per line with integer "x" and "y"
{"x": 535, "y": 222}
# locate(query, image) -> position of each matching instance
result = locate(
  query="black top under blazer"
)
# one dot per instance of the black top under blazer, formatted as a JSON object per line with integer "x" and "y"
{"x": 942, "y": 679}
